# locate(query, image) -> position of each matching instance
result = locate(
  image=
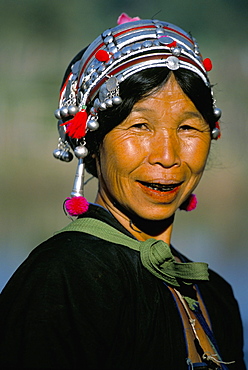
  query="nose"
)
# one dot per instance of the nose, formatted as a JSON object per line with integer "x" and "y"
{"x": 165, "y": 149}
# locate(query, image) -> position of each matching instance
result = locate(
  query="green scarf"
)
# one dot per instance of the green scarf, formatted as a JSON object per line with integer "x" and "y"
{"x": 155, "y": 255}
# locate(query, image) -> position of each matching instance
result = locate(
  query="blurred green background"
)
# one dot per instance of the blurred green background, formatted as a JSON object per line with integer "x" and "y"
{"x": 38, "y": 39}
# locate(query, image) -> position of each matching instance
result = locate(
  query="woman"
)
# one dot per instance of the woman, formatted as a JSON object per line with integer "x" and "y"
{"x": 109, "y": 291}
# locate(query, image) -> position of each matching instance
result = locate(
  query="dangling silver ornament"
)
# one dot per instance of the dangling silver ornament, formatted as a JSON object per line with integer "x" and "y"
{"x": 57, "y": 153}
{"x": 92, "y": 125}
{"x": 217, "y": 113}
{"x": 64, "y": 112}
{"x": 81, "y": 151}
{"x": 103, "y": 106}
{"x": 63, "y": 155}
{"x": 117, "y": 100}
{"x": 109, "y": 103}
{"x": 72, "y": 110}
{"x": 57, "y": 114}
{"x": 215, "y": 133}
{"x": 66, "y": 156}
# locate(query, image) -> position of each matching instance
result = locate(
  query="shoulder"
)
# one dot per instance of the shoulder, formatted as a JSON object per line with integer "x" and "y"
{"x": 69, "y": 260}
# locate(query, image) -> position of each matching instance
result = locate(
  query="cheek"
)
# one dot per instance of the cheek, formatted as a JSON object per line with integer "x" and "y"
{"x": 122, "y": 155}
{"x": 196, "y": 154}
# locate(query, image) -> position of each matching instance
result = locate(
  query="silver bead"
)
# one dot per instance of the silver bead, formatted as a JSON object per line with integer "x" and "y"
{"x": 92, "y": 125}
{"x": 136, "y": 47}
{"x": 217, "y": 113}
{"x": 107, "y": 32}
{"x": 126, "y": 50}
{"x": 147, "y": 44}
{"x": 57, "y": 114}
{"x": 117, "y": 100}
{"x": 160, "y": 32}
{"x": 72, "y": 110}
{"x": 66, "y": 156}
{"x": 108, "y": 39}
{"x": 64, "y": 112}
{"x": 117, "y": 55}
{"x": 81, "y": 152}
{"x": 103, "y": 106}
{"x": 109, "y": 103}
{"x": 215, "y": 133}
{"x": 176, "y": 51}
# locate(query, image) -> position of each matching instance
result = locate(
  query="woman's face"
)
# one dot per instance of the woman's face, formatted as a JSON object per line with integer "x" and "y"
{"x": 151, "y": 162}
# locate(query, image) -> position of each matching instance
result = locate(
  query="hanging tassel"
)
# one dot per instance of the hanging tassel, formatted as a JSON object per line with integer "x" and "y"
{"x": 76, "y": 206}
{"x": 190, "y": 203}
{"x": 76, "y": 127}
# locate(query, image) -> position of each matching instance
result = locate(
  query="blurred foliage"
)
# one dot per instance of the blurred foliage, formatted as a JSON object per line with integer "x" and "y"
{"x": 38, "y": 39}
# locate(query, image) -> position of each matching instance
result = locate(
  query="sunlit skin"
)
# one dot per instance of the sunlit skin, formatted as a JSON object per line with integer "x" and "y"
{"x": 164, "y": 141}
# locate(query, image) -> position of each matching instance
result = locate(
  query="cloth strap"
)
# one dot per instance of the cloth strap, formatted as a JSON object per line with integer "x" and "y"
{"x": 155, "y": 255}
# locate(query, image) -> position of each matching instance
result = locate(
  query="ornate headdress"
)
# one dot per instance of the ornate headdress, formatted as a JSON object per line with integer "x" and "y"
{"x": 93, "y": 82}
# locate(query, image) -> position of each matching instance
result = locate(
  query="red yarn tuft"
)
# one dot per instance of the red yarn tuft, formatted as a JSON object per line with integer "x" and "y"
{"x": 124, "y": 18}
{"x": 190, "y": 204}
{"x": 76, "y": 127}
{"x": 102, "y": 55}
{"x": 173, "y": 44}
{"x": 207, "y": 64}
{"x": 76, "y": 206}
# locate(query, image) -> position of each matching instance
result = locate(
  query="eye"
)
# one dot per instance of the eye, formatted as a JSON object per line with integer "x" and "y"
{"x": 188, "y": 128}
{"x": 140, "y": 126}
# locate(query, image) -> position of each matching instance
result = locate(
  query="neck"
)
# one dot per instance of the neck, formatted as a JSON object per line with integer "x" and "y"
{"x": 141, "y": 229}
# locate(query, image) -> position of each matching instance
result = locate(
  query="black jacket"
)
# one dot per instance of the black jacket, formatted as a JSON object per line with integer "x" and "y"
{"x": 79, "y": 302}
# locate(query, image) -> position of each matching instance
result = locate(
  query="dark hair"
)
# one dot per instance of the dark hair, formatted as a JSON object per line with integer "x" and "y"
{"x": 141, "y": 85}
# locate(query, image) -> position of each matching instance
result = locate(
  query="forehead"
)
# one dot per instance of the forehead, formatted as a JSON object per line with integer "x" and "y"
{"x": 169, "y": 97}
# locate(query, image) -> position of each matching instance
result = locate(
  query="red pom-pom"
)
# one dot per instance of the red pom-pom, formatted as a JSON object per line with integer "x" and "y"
{"x": 207, "y": 64}
{"x": 102, "y": 55}
{"x": 190, "y": 204}
{"x": 76, "y": 206}
{"x": 76, "y": 128}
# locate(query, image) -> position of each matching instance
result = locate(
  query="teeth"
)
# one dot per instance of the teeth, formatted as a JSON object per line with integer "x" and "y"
{"x": 160, "y": 187}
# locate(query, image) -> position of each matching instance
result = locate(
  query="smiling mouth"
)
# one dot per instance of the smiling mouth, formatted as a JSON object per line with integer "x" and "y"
{"x": 160, "y": 187}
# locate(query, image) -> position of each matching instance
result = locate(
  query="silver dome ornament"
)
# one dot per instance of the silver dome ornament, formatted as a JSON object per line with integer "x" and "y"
{"x": 81, "y": 151}
{"x": 72, "y": 110}
{"x": 172, "y": 63}
{"x": 215, "y": 133}
{"x": 64, "y": 112}
{"x": 217, "y": 113}
{"x": 57, "y": 114}
{"x": 92, "y": 125}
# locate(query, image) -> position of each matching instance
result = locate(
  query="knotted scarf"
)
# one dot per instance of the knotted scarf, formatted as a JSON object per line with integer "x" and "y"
{"x": 155, "y": 254}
